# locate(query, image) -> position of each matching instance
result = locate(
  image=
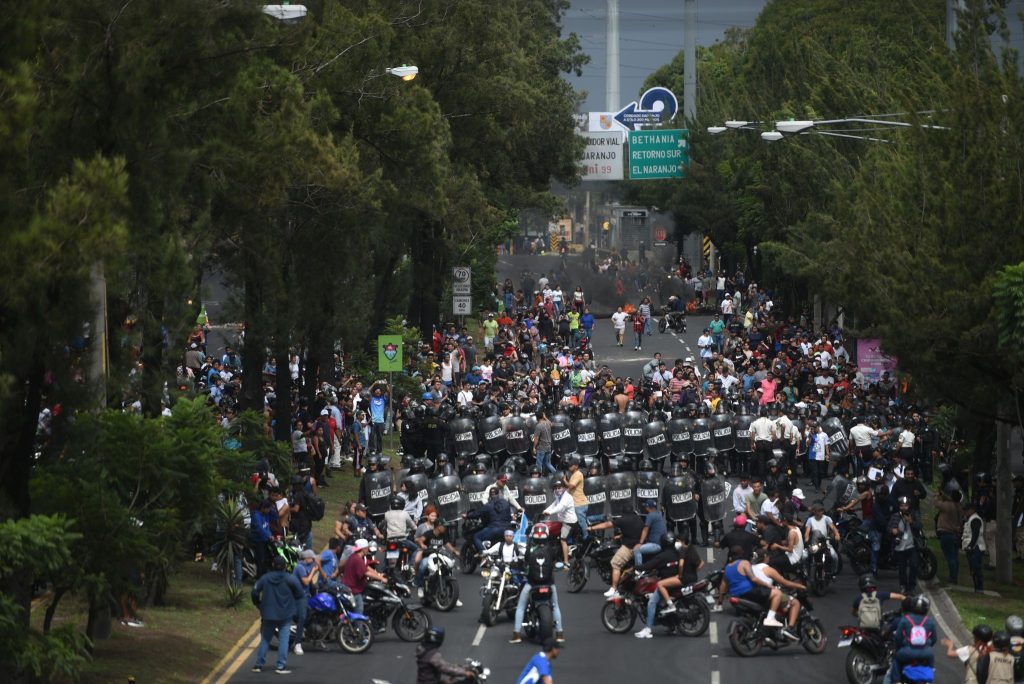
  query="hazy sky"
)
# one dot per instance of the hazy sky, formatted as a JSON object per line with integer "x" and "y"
{"x": 651, "y": 33}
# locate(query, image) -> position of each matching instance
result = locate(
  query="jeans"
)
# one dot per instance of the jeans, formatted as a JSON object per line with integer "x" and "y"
{"x": 284, "y": 632}
{"x": 638, "y": 338}
{"x": 719, "y": 339}
{"x": 421, "y": 571}
{"x": 648, "y": 327}
{"x": 974, "y": 562}
{"x": 524, "y": 596}
{"x": 641, "y": 549}
{"x": 357, "y": 604}
{"x": 950, "y": 544}
{"x": 581, "y": 518}
{"x": 487, "y": 534}
{"x": 817, "y": 470}
{"x": 544, "y": 461}
{"x": 652, "y": 608}
{"x": 377, "y": 438}
{"x": 876, "y": 545}
{"x": 907, "y": 562}
{"x": 300, "y": 618}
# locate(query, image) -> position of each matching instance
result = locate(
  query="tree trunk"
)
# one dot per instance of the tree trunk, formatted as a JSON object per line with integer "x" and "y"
{"x": 283, "y": 389}
{"x": 154, "y": 370}
{"x": 99, "y": 624}
{"x": 254, "y": 349}
{"x": 58, "y": 594}
{"x": 428, "y": 278}
{"x": 1004, "y": 500}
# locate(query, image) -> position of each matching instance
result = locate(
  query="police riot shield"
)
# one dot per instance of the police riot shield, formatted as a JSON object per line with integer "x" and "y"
{"x": 722, "y": 433}
{"x": 534, "y": 496}
{"x": 633, "y": 433}
{"x": 656, "y": 442}
{"x": 515, "y": 464}
{"x": 586, "y": 437}
{"x": 493, "y": 434}
{"x": 445, "y": 495}
{"x": 610, "y": 427}
{"x": 714, "y": 492}
{"x": 678, "y": 498}
{"x": 648, "y": 485}
{"x": 462, "y": 436}
{"x": 844, "y": 490}
{"x": 741, "y": 433}
{"x": 475, "y": 489}
{"x": 517, "y": 442}
{"x": 700, "y": 435}
{"x": 621, "y": 492}
{"x": 561, "y": 435}
{"x": 679, "y": 435}
{"x": 378, "y": 492}
{"x": 838, "y": 445}
{"x": 597, "y": 495}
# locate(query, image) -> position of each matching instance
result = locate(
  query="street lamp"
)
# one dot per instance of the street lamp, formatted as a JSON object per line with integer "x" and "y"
{"x": 715, "y": 130}
{"x": 285, "y": 12}
{"x": 404, "y": 72}
{"x": 771, "y": 136}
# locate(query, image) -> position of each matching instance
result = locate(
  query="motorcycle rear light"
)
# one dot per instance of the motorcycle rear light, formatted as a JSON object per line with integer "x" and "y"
{"x": 543, "y": 590}
{"x": 392, "y": 546}
{"x": 734, "y": 601}
{"x": 848, "y": 631}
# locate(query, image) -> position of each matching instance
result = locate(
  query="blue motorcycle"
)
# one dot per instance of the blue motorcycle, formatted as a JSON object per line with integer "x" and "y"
{"x": 331, "y": 616}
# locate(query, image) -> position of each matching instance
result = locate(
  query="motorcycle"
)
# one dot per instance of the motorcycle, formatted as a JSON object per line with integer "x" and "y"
{"x": 480, "y": 674}
{"x": 539, "y": 618}
{"x": 671, "y": 320}
{"x": 821, "y": 568}
{"x": 389, "y": 601}
{"x": 748, "y": 635}
{"x": 439, "y": 584}
{"x": 398, "y": 563}
{"x": 499, "y": 593}
{"x": 856, "y": 544}
{"x": 469, "y": 557}
{"x": 592, "y": 551}
{"x": 871, "y": 651}
{"x": 690, "y": 618}
{"x": 331, "y": 617}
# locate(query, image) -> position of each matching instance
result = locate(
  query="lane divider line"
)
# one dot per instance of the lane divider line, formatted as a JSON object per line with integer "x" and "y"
{"x": 711, "y": 555}
{"x": 713, "y": 633}
{"x": 481, "y": 630}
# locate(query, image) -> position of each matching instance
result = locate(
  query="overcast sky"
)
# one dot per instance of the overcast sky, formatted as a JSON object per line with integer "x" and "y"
{"x": 651, "y": 33}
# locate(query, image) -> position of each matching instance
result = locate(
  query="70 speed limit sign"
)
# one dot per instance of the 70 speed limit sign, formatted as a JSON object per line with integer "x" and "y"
{"x": 462, "y": 280}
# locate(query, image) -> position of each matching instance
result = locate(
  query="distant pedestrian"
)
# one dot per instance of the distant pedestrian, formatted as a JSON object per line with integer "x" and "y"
{"x": 277, "y": 595}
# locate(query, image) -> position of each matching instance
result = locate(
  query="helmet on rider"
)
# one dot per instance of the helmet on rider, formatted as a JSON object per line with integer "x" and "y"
{"x": 982, "y": 633}
{"x": 668, "y": 540}
{"x": 920, "y": 604}
{"x": 539, "y": 532}
{"x": 867, "y": 582}
{"x": 710, "y": 470}
{"x": 1001, "y": 641}
{"x": 434, "y": 637}
{"x": 396, "y": 503}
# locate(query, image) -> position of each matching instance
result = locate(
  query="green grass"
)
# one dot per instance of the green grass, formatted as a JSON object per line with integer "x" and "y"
{"x": 183, "y": 640}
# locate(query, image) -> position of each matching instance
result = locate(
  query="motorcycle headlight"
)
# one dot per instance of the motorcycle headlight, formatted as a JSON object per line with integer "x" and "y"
{"x": 815, "y": 548}
{"x": 485, "y": 573}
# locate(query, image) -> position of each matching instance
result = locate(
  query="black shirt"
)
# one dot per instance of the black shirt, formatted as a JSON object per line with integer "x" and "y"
{"x": 739, "y": 537}
{"x": 433, "y": 542}
{"x": 539, "y": 565}
{"x": 631, "y": 526}
{"x": 665, "y": 564}
{"x": 691, "y": 561}
{"x": 773, "y": 534}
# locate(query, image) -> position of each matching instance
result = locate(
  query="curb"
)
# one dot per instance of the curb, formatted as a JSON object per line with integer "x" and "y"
{"x": 946, "y": 614}
{"x": 233, "y": 659}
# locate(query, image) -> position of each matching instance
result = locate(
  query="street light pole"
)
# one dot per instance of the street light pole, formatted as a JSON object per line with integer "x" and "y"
{"x": 690, "y": 60}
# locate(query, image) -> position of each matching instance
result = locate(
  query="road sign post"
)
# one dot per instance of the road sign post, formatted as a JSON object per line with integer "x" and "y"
{"x": 658, "y": 154}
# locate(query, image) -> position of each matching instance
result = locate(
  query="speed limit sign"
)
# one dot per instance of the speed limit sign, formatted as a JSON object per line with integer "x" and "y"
{"x": 462, "y": 280}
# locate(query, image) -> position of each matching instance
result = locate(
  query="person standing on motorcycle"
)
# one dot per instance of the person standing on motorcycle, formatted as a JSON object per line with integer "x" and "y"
{"x": 538, "y": 670}
{"x": 498, "y": 514}
{"x": 676, "y": 566}
{"x": 904, "y": 525}
{"x": 914, "y": 636}
{"x": 431, "y": 667}
{"x": 563, "y": 510}
{"x": 539, "y": 572}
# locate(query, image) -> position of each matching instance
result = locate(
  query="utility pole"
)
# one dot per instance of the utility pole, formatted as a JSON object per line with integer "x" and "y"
{"x": 98, "y": 335}
{"x": 952, "y": 7}
{"x": 690, "y": 60}
{"x": 611, "y": 77}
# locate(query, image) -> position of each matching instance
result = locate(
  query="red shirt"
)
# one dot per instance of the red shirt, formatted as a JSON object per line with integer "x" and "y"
{"x": 638, "y": 323}
{"x": 354, "y": 575}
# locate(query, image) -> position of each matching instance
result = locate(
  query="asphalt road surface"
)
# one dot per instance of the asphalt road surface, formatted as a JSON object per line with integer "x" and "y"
{"x": 591, "y": 653}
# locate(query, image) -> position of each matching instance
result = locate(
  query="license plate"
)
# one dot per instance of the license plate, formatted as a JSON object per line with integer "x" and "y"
{"x": 844, "y": 643}
{"x": 392, "y": 555}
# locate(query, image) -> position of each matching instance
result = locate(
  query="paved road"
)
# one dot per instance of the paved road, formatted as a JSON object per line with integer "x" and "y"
{"x": 592, "y": 654}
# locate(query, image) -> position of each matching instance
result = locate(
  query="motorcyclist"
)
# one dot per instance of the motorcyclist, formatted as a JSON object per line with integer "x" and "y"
{"x": 498, "y": 514}
{"x": 865, "y": 608}
{"x": 739, "y": 580}
{"x": 915, "y": 637}
{"x": 539, "y": 572}
{"x": 676, "y": 565}
{"x": 773, "y": 577}
{"x": 501, "y": 485}
{"x": 563, "y": 510}
{"x": 823, "y": 524}
{"x": 398, "y": 525}
{"x": 507, "y": 551}
{"x": 431, "y": 667}
{"x": 433, "y": 541}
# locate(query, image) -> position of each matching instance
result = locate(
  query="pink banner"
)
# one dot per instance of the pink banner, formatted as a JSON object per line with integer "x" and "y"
{"x": 872, "y": 362}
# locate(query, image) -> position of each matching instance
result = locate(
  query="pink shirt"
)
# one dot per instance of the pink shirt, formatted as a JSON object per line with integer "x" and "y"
{"x": 768, "y": 388}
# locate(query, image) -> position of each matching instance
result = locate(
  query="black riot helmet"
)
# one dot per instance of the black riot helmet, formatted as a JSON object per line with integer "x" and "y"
{"x": 982, "y": 633}
{"x": 1001, "y": 641}
{"x": 646, "y": 465}
{"x": 668, "y": 540}
{"x": 396, "y": 503}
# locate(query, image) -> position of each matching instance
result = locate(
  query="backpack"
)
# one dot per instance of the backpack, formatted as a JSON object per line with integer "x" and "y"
{"x": 314, "y": 508}
{"x": 919, "y": 635}
{"x": 869, "y": 612}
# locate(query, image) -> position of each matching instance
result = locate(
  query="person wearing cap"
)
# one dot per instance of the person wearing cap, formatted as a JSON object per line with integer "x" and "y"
{"x": 538, "y": 670}
{"x": 739, "y": 536}
{"x": 277, "y": 595}
{"x": 357, "y": 573}
{"x": 503, "y": 491}
{"x": 308, "y": 572}
{"x": 563, "y": 510}
{"x": 654, "y": 528}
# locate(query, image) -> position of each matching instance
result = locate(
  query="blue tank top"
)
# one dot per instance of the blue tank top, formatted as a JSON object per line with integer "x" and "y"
{"x": 739, "y": 584}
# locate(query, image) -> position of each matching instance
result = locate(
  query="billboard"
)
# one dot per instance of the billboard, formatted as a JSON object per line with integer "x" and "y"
{"x": 872, "y": 362}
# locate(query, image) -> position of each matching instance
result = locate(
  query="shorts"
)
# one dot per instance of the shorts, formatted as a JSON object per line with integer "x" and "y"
{"x": 760, "y": 595}
{"x": 621, "y": 557}
{"x": 566, "y": 530}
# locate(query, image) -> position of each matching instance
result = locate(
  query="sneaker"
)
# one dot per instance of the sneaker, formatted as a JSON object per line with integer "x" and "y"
{"x": 458, "y": 603}
{"x": 644, "y": 633}
{"x": 257, "y": 668}
{"x": 559, "y": 565}
{"x": 610, "y": 593}
{"x": 419, "y": 592}
{"x": 132, "y": 622}
{"x": 613, "y": 596}
{"x": 772, "y": 622}
{"x": 669, "y": 608}
{"x": 560, "y": 637}
{"x": 789, "y": 634}
{"x": 298, "y": 650}
{"x": 717, "y": 608}
{"x": 282, "y": 670}
{"x": 516, "y": 639}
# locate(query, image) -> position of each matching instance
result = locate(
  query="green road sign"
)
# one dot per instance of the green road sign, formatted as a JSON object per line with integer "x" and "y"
{"x": 389, "y": 353}
{"x": 658, "y": 154}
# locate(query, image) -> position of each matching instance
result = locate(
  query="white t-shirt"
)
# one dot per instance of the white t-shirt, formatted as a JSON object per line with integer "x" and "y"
{"x": 705, "y": 342}
{"x": 861, "y": 435}
{"x": 760, "y": 574}
{"x": 769, "y": 507}
{"x": 761, "y": 429}
{"x": 739, "y": 498}
{"x": 907, "y": 439}
{"x": 465, "y": 397}
{"x": 727, "y": 306}
{"x": 819, "y": 525}
{"x": 619, "y": 320}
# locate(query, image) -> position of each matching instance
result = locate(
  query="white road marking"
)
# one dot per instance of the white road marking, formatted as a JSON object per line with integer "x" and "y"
{"x": 711, "y": 555}
{"x": 715, "y": 677}
{"x": 713, "y": 633}
{"x": 481, "y": 630}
